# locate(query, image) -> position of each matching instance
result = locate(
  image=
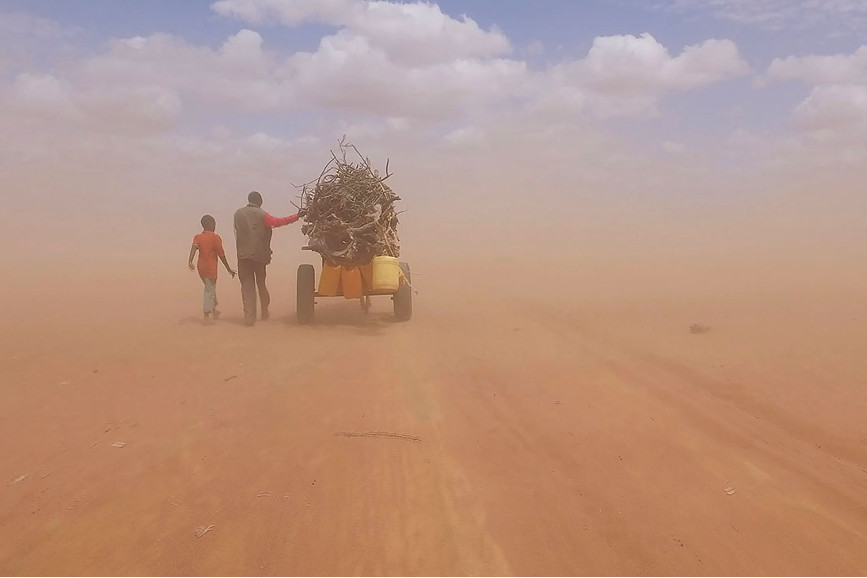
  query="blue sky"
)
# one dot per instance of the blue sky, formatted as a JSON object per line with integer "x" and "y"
{"x": 564, "y": 29}
{"x": 637, "y": 98}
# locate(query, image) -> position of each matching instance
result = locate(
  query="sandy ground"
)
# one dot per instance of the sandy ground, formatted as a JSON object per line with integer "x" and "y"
{"x": 539, "y": 431}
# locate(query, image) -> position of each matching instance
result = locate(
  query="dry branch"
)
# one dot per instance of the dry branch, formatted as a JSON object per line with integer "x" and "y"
{"x": 348, "y": 212}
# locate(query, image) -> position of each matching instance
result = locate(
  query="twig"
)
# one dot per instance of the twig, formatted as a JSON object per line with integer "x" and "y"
{"x": 378, "y": 434}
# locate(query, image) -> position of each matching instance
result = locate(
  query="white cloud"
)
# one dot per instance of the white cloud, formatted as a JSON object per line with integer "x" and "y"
{"x": 834, "y": 69}
{"x": 135, "y": 110}
{"x": 780, "y": 14}
{"x": 129, "y": 110}
{"x": 626, "y": 75}
{"x": 466, "y": 136}
{"x": 385, "y": 59}
{"x": 841, "y": 108}
{"x": 289, "y": 12}
{"x": 834, "y": 114}
{"x": 629, "y": 65}
{"x": 350, "y": 73}
{"x": 742, "y": 138}
{"x": 244, "y": 49}
{"x": 412, "y": 34}
{"x": 391, "y": 59}
{"x": 42, "y": 95}
{"x": 24, "y": 36}
{"x": 239, "y": 74}
{"x": 388, "y": 71}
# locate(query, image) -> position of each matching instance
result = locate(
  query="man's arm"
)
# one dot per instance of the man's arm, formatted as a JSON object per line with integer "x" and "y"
{"x": 273, "y": 222}
{"x": 193, "y": 250}
{"x": 226, "y": 263}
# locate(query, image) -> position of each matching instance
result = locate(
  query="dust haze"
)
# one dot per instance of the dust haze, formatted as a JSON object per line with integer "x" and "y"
{"x": 546, "y": 411}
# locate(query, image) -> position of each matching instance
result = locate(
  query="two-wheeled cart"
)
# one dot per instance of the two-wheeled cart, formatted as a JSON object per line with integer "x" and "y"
{"x": 381, "y": 277}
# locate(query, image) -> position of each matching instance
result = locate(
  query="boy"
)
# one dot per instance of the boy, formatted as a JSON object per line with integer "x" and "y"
{"x": 210, "y": 246}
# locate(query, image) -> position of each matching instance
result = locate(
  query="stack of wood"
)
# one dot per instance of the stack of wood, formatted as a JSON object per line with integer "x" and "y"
{"x": 348, "y": 212}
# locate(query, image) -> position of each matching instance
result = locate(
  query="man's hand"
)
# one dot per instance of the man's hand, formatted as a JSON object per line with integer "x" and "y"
{"x": 190, "y": 265}
{"x": 232, "y": 272}
{"x": 301, "y": 213}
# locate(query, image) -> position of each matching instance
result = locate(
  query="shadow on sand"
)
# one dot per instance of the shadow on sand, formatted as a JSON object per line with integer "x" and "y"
{"x": 348, "y": 316}
{"x": 335, "y": 315}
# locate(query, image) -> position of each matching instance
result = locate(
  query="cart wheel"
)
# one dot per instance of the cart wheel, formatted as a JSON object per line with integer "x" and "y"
{"x": 403, "y": 296}
{"x": 306, "y": 294}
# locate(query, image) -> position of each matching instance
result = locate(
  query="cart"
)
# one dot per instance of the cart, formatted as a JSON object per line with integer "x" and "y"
{"x": 307, "y": 294}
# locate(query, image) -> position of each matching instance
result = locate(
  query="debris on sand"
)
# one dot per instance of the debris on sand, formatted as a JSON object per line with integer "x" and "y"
{"x": 19, "y": 479}
{"x": 378, "y": 434}
{"x": 202, "y": 530}
{"x": 697, "y": 328}
{"x": 349, "y": 211}
{"x": 729, "y": 490}
{"x": 118, "y": 444}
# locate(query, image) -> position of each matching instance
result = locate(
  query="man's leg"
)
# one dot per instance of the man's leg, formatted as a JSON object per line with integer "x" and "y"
{"x": 247, "y": 276}
{"x": 264, "y": 296}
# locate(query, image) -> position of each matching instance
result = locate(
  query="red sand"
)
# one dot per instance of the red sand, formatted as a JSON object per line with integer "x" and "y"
{"x": 556, "y": 433}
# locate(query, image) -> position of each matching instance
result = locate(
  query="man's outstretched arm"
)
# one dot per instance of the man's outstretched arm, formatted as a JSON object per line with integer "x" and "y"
{"x": 273, "y": 222}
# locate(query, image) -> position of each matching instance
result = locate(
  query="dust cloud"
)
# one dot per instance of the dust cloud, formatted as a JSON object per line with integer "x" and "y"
{"x": 564, "y": 419}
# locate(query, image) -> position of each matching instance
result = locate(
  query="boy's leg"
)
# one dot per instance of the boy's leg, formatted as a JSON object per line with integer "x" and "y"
{"x": 264, "y": 296}
{"x": 246, "y": 275}
{"x": 215, "y": 313}
{"x": 210, "y": 295}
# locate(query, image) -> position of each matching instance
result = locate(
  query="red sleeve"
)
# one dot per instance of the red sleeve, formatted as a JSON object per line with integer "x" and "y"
{"x": 219, "y": 247}
{"x": 279, "y": 221}
{"x": 196, "y": 240}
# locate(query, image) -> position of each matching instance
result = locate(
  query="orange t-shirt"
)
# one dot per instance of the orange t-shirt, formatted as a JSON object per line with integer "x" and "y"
{"x": 210, "y": 247}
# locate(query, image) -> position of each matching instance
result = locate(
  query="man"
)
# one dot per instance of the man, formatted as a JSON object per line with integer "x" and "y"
{"x": 253, "y": 240}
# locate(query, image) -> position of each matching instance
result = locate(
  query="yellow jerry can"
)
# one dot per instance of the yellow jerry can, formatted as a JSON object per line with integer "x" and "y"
{"x": 350, "y": 279}
{"x": 329, "y": 281}
{"x": 386, "y": 274}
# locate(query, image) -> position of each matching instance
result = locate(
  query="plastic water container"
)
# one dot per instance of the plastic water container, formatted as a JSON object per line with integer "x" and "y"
{"x": 386, "y": 274}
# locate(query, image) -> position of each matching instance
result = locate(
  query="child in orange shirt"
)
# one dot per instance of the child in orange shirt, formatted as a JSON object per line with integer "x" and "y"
{"x": 210, "y": 246}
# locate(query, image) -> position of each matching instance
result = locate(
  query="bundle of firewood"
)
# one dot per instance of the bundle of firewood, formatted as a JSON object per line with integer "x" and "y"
{"x": 348, "y": 212}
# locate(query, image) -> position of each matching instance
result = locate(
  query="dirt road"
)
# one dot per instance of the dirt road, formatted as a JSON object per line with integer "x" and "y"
{"x": 489, "y": 435}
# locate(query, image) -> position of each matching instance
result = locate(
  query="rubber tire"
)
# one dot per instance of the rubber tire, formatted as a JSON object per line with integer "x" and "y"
{"x": 305, "y": 297}
{"x": 403, "y": 296}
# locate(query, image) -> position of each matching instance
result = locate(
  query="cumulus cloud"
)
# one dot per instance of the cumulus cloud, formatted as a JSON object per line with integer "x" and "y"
{"x": 349, "y": 73}
{"x": 386, "y": 70}
{"x": 466, "y": 136}
{"x": 629, "y": 65}
{"x": 833, "y": 69}
{"x": 835, "y": 111}
{"x": 412, "y": 34}
{"x": 288, "y": 12}
{"x": 626, "y": 75}
{"x": 131, "y": 110}
{"x": 24, "y": 36}
{"x": 389, "y": 59}
{"x": 834, "y": 108}
{"x": 42, "y": 94}
{"x": 384, "y": 59}
{"x": 238, "y": 73}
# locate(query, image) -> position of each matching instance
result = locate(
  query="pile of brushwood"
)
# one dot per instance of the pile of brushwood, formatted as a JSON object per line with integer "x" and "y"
{"x": 348, "y": 212}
